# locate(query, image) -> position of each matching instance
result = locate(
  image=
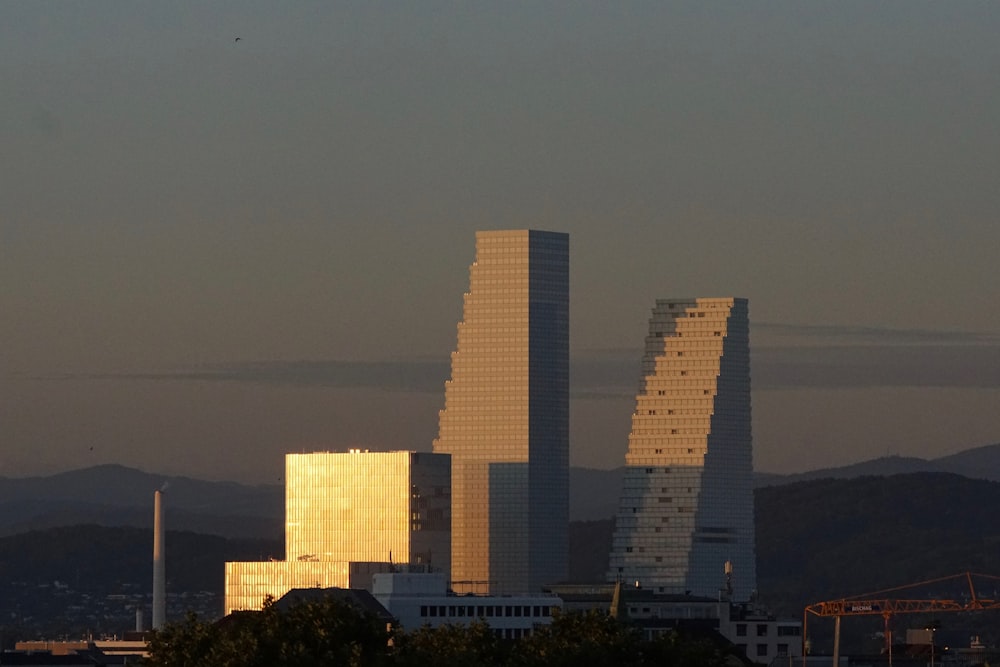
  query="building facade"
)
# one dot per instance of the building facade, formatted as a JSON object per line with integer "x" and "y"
{"x": 505, "y": 420}
{"x": 685, "y": 520}
{"x": 416, "y": 600}
{"x": 349, "y": 515}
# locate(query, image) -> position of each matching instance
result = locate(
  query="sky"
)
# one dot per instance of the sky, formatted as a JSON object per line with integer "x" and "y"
{"x": 214, "y": 252}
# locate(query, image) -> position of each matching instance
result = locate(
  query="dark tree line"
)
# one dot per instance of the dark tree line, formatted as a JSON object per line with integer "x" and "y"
{"x": 332, "y": 632}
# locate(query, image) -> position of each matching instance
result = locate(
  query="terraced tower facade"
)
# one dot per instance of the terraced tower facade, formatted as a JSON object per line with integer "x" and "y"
{"x": 505, "y": 420}
{"x": 686, "y": 508}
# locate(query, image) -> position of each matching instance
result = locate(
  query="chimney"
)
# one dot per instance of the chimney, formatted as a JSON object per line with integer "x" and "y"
{"x": 159, "y": 572}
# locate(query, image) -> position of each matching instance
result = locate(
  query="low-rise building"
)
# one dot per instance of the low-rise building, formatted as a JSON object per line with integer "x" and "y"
{"x": 418, "y": 600}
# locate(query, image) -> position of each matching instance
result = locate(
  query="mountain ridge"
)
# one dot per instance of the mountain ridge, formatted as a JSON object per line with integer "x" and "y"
{"x": 116, "y": 495}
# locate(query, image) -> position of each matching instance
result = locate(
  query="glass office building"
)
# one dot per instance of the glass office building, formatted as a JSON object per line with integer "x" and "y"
{"x": 505, "y": 420}
{"x": 686, "y": 508}
{"x": 348, "y": 512}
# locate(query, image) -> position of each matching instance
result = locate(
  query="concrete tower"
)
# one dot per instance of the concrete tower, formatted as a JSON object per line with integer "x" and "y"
{"x": 506, "y": 416}
{"x": 687, "y": 499}
{"x": 159, "y": 565}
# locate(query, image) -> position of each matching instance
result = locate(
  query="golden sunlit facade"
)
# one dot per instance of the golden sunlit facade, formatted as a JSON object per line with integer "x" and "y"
{"x": 686, "y": 507}
{"x": 354, "y": 507}
{"x": 506, "y": 416}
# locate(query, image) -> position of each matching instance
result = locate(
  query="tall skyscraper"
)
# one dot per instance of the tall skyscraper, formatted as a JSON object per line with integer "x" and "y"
{"x": 506, "y": 416}
{"x": 350, "y": 514}
{"x": 686, "y": 507}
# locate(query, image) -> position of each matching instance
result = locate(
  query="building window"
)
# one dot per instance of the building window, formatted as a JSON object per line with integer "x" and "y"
{"x": 761, "y": 650}
{"x": 741, "y": 629}
{"x": 762, "y": 629}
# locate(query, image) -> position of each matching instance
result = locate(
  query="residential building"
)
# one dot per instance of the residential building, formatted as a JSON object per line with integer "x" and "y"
{"x": 505, "y": 420}
{"x": 685, "y": 521}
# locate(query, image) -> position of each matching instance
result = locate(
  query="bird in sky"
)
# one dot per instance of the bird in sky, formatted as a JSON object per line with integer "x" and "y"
{"x": 238, "y": 39}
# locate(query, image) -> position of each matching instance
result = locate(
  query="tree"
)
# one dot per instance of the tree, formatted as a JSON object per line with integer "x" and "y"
{"x": 581, "y": 638}
{"x": 306, "y": 633}
{"x": 450, "y": 646}
{"x": 684, "y": 650}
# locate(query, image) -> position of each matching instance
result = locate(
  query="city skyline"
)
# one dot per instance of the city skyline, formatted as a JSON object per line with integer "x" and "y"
{"x": 210, "y": 246}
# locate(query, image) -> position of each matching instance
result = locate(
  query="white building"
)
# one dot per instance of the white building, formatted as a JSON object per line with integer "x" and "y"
{"x": 685, "y": 520}
{"x": 416, "y": 600}
{"x": 505, "y": 420}
{"x": 349, "y": 515}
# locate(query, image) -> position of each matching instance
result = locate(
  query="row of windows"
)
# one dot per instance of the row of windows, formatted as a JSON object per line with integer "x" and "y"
{"x": 691, "y": 332}
{"x": 485, "y": 611}
{"x": 762, "y": 649}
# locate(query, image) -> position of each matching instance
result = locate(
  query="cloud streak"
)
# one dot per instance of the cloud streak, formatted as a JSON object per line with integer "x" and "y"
{"x": 822, "y": 357}
{"x": 829, "y": 334}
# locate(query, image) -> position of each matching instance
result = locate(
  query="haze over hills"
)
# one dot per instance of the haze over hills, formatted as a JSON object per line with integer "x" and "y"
{"x": 113, "y": 495}
{"x": 816, "y": 540}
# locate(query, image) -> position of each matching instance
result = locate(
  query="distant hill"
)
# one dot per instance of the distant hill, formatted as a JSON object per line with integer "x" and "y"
{"x": 978, "y": 463}
{"x": 816, "y": 540}
{"x": 113, "y": 495}
{"x": 594, "y": 493}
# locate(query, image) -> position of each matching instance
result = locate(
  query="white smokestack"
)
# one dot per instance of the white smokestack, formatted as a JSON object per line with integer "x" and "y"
{"x": 159, "y": 572}
{"x": 138, "y": 619}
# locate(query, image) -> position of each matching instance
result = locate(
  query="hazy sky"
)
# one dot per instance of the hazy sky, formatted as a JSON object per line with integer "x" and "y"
{"x": 213, "y": 252}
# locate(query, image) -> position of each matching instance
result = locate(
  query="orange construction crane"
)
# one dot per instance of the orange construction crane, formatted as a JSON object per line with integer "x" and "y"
{"x": 881, "y": 604}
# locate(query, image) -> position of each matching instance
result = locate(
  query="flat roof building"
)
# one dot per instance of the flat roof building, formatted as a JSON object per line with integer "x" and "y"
{"x": 505, "y": 420}
{"x": 348, "y": 515}
{"x": 418, "y": 600}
